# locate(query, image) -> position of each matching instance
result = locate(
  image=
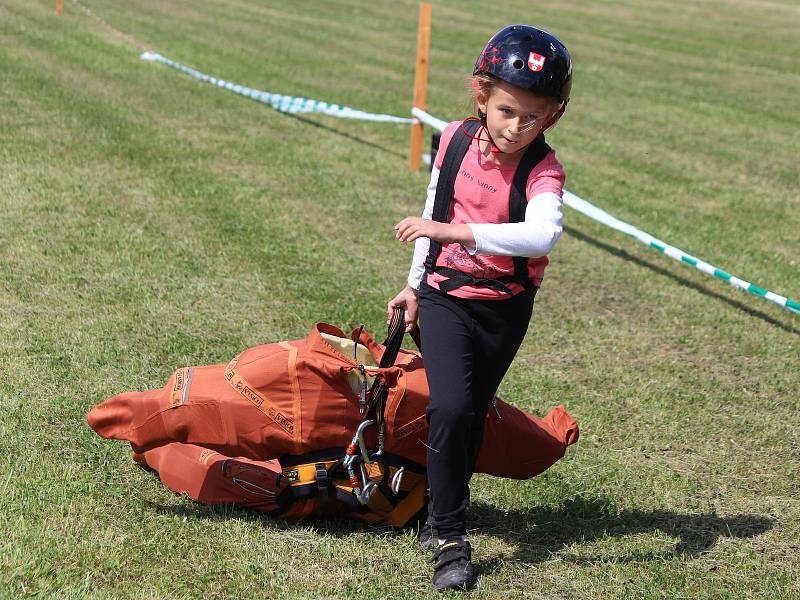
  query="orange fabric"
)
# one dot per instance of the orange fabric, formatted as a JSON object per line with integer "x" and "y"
{"x": 254, "y": 406}
{"x": 290, "y": 398}
{"x": 296, "y": 398}
{"x": 408, "y": 507}
{"x": 519, "y": 445}
{"x": 211, "y": 478}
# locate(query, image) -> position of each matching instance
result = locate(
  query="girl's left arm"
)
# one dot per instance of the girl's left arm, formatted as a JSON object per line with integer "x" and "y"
{"x": 535, "y": 236}
{"x": 415, "y": 228}
{"x": 423, "y": 229}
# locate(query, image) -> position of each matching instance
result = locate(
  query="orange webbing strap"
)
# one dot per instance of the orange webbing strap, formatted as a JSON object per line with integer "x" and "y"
{"x": 304, "y": 474}
{"x": 258, "y": 399}
{"x": 380, "y": 509}
{"x": 180, "y": 387}
{"x": 374, "y": 471}
{"x": 297, "y": 408}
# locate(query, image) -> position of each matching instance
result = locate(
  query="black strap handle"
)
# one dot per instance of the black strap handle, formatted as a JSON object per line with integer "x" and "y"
{"x": 379, "y": 389}
{"x": 394, "y": 339}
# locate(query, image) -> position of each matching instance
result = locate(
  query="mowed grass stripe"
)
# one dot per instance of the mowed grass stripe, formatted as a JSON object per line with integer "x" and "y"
{"x": 150, "y": 222}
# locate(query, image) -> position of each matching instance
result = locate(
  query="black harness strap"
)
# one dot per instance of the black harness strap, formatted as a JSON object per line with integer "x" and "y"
{"x": 379, "y": 390}
{"x": 322, "y": 484}
{"x": 517, "y": 203}
{"x": 456, "y": 279}
{"x": 456, "y": 150}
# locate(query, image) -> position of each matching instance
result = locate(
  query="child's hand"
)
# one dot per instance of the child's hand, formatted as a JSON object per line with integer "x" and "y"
{"x": 408, "y": 300}
{"x": 411, "y": 228}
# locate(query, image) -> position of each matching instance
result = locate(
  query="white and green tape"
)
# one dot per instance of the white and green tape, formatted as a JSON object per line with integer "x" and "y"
{"x": 598, "y": 214}
{"x": 280, "y": 102}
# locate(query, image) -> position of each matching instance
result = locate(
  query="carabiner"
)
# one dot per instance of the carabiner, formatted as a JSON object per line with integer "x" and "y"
{"x": 367, "y": 491}
{"x": 361, "y": 442}
{"x": 397, "y": 480}
{"x": 364, "y": 494}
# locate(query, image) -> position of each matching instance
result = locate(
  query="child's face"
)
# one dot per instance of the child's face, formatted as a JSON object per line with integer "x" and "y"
{"x": 515, "y": 117}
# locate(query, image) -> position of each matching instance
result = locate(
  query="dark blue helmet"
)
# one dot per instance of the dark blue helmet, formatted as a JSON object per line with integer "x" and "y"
{"x": 529, "y": 58}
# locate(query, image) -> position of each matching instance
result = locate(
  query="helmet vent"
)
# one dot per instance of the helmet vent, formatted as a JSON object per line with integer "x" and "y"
{"x": 518, "y": 64}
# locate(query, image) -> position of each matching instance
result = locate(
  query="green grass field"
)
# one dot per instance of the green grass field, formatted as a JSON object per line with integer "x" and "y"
{"x": 149, "y": 221}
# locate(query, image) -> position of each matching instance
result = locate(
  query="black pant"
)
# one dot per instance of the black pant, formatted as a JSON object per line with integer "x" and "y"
{"x": 468, "y": 346}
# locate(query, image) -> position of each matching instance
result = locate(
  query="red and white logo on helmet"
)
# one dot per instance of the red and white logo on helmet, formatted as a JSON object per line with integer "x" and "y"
{"x": 535, "y": 62}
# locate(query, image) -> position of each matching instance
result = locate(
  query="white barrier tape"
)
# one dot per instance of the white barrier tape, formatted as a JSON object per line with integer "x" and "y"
{"x": 428, "y": 119}
{"x": 280, "y": 102}
{"x": 598, "y": 214}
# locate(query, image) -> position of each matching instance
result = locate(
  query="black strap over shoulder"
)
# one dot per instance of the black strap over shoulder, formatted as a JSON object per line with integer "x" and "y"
{"x": 518, "y": 199}
{"x": 517, "y": 203}
{"x": 451, "y": 163}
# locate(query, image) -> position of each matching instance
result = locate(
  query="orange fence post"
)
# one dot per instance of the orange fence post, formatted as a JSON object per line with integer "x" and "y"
{"x": 59, "y": 7}
{"x": 420, "y": 83}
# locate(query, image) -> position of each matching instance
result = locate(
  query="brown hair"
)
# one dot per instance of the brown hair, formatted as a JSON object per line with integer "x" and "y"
{"x": 480, "y": 86}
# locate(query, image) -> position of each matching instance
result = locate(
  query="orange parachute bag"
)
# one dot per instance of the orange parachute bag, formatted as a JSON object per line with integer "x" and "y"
{"x": 328, "y": 424}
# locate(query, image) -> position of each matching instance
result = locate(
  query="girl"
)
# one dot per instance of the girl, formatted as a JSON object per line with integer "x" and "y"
{"x": 493, "y": 213}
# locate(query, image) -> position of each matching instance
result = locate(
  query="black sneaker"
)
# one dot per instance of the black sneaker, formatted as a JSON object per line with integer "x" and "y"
{"x": 452, "y": 566}
{"x": 427, "y": 536}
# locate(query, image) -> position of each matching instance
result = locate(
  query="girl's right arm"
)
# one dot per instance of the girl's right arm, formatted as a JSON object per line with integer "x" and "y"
{"x": 422, "y": 244}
